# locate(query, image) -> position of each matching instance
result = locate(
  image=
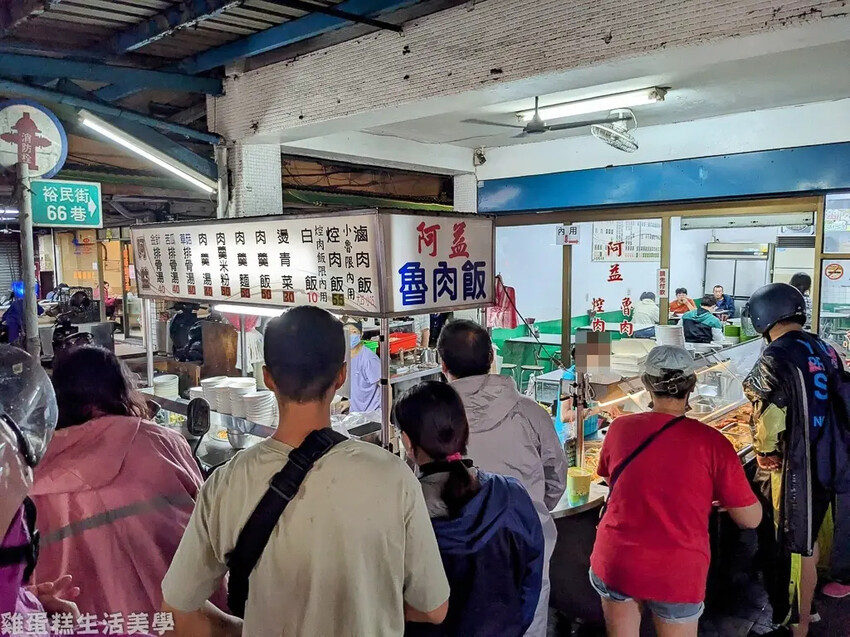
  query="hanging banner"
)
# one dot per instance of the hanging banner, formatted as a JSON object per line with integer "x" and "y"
{"x": 439, "y": 262}
{"x": 326, "y": 261}
{"x": 340, "y": 262}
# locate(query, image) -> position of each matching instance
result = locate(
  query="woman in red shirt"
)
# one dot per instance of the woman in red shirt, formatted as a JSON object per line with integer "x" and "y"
{"x": 652, "y": 543}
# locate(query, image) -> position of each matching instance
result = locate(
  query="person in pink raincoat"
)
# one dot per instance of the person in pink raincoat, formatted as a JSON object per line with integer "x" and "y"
{"x": 27, "y": 421}
{"x": 114, "y": 491}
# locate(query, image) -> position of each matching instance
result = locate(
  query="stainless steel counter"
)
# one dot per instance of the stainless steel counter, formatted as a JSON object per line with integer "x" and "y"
{"x": 598, "y": 493}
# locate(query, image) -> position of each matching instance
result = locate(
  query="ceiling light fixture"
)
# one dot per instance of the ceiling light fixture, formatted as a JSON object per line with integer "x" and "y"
{"x": 248, "y": 310}
{"x": 8, "y": 212}
{"x": 597, "y": 104}
{"x": 150, "y": 153}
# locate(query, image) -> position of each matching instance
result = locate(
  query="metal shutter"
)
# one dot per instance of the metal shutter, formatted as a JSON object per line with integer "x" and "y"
{"x": 10, "y": 263}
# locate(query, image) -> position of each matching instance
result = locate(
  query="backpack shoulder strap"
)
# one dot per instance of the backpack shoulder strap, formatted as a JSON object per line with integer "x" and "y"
{"x": 282, "y": 489}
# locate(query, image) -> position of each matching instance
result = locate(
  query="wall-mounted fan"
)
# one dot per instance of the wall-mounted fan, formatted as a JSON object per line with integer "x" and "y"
{"x": 619, "y": 132}
{"x": 536, "y": 125}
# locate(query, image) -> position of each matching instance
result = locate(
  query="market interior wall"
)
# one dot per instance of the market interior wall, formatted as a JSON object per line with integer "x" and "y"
{"x": 529, "y": 261}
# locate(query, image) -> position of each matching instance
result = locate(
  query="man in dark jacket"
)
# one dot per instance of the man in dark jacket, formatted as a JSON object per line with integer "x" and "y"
{"x": 724, "y": 302}
{"x": 803, "y": 450}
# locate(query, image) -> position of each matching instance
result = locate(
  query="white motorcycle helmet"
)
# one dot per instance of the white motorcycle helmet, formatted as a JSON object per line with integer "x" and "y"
{"x": 28, "y": 415}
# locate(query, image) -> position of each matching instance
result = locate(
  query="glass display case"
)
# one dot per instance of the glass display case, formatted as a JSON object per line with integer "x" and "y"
{"x": 718, "y": 399}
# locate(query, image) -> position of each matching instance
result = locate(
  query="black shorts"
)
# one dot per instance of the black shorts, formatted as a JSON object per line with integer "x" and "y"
{"x": 822, "y": 499}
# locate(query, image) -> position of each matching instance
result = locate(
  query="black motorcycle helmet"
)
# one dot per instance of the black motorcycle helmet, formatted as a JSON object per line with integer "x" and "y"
{"x": 773, "y": 303}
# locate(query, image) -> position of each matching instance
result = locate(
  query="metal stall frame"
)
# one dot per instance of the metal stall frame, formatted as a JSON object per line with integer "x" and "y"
{"x": 740, "y": 207}
{"x": 383, "y": 245}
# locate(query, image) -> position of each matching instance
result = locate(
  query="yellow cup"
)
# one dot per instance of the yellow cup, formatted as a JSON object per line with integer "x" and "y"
{"x": 578, "y": 486}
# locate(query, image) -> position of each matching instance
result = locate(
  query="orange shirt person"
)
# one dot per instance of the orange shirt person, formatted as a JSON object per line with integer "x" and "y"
{"x": 683, "y": 302}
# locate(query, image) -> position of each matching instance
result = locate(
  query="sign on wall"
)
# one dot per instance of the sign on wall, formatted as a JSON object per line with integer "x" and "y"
{"x": 428, "y": 262}
{"x": 439, "y": 262}
{"x": 633, "y": 240}
{"x": 328, "y": 262}
{"x": 66, "y": 204}
{"x": 32, "y": 135}
{"x": 566, "y": 235}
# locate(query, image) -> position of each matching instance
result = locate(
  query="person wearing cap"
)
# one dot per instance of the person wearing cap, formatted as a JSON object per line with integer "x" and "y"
{"x": 352, "y": 555}
{"x": 803, "y": 452}
{"x": 664, "y": 471}
{"x": 365, "y": 371}
{"x": 490, "y": 537}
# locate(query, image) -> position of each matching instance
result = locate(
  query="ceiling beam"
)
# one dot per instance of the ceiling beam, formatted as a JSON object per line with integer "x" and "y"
{"x": 122, "y": 114}
{"x": 122, "y": 75}
{"x": 282, "y": 35}
{"x": 345, "y": 15}
{"x": 148, "y": 135}
{"x": 185, "y": 14}
{"x": 189, "y": 115}
{"x": 15, "y": 12}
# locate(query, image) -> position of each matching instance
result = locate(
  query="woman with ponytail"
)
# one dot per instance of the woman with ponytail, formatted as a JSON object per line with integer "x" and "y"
{"x": 488, "y": 531}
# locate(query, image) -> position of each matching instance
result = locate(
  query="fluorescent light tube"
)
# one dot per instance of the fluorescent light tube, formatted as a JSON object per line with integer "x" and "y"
{"x": 147, "y": 152}
{"x": 597, "y": 104}
{"x": 248, "y": 310}
{"x": 9, "y": 212}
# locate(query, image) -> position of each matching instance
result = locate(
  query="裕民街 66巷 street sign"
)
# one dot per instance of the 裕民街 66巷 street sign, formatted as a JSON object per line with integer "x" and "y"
{"x": 66, "y": 204}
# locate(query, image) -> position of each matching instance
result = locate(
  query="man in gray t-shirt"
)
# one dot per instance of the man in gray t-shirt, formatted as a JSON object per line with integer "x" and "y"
{"x": 353, "y": 554}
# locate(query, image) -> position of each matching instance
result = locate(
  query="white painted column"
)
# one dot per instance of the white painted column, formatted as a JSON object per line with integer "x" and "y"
{"x": 256, "y": 180}
{"x": 466, "y": 192}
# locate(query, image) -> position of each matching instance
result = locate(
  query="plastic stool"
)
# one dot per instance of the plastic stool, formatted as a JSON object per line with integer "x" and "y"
{"x": 511, "y": 368}
{"x": 531, "y": 370}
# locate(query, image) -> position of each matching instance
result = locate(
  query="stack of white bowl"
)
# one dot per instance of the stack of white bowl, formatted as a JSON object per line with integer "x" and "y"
{"x": 196, "y": 392}
{"x": 222, "y": 396}
{"x": 238, "y": 388}
{"x": 209, "y": 385}
{"x": 261, "y": 408}
{"x": 167, "y": 386}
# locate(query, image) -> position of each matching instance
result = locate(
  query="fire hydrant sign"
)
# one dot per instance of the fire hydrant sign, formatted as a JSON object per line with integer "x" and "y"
{"x": 66, "y": 204}
{"x": 32, "y": 135}
{"x": 365, "y": 262}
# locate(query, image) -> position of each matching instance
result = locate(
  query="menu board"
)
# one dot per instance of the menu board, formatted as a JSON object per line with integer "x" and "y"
{"x": 439, "y": 262}
{"x": 326, "y": 261}
{"x": 429, "y": 262}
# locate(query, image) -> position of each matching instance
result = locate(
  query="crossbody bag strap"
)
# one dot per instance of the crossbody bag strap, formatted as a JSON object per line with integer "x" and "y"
{"x": 618, "y": 470}
{"x": 282, "y": 489}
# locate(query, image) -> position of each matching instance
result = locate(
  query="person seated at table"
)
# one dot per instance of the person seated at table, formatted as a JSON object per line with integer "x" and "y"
{"x": 489, "y": 534}
{"x": 683, "y": 303}
{"x": 704, "y": 314}
{"x": 724, "y": 302}
{"x": 652, "y": 544}
{"x": 646, "y": 311}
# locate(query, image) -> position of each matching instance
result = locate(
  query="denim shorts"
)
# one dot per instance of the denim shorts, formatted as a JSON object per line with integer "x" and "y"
{"x": 666, "y": 612}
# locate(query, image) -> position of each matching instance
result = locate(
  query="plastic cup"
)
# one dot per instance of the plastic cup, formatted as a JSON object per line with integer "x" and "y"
{"x": 578, "y": 486}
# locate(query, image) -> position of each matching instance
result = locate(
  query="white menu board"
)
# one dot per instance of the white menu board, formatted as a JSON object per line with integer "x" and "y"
{"x": 438, "y": 262}
{"x": 326, "y": 261}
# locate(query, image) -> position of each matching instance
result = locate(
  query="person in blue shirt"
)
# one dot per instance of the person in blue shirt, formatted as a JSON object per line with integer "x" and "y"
{"x": 724, "y": 302}
{"x": 488, "y": 531}
{"x": 364, "y": 370}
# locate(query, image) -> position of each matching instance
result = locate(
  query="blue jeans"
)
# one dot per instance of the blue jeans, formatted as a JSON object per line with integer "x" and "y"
{"x": 667, "y": 612}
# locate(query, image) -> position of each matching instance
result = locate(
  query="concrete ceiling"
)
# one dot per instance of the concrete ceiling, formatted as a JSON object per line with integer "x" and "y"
{"x": 780, "y": 79}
